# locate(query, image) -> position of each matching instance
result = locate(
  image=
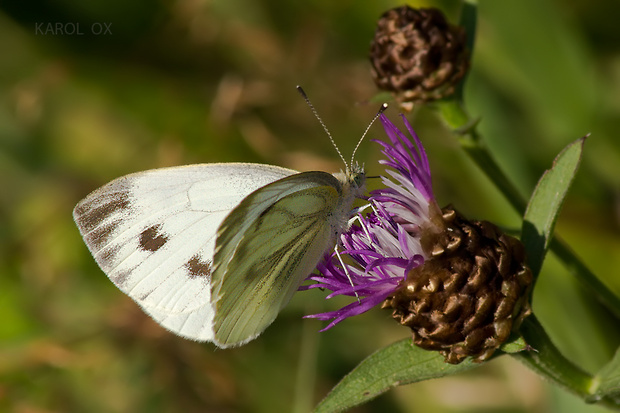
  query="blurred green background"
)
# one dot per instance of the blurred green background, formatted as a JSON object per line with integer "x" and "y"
{"x": 188, "y": 81}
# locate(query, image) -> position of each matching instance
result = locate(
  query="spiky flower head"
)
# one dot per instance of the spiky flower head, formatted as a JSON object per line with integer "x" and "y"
{"x": 417, "y": 55}
{"x": 461, "y": 286}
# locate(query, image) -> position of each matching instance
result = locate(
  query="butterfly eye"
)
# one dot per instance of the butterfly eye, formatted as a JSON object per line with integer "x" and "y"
{"x": 359, "y": 179}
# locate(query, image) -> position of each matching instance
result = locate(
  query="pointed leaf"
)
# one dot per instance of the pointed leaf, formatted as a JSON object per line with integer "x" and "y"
{"x": 395, "y": 365}
{"x": 544, "y": 206}
{"x": 514, "y": 344}
{"x": 607, "y": 381}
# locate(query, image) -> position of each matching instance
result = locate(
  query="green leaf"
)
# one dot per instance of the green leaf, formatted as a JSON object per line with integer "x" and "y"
{"x": 544, "y": 206}
{"x": 395, "y": 365}
{"x": 607, "y": 381}
{"x": 514, "y": 344}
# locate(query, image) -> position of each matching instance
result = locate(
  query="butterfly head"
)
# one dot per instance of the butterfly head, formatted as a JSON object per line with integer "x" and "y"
{"x": 356, "y": 176}
{"x": 353, "y": 180}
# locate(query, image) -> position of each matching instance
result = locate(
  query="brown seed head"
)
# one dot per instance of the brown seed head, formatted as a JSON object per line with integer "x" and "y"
{"x": 417, "y": 55}
{"x": 470, "y": 295}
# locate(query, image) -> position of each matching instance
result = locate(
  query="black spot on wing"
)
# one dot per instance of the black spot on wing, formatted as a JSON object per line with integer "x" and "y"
{"x": 152, "y": 239}
{"x": 198, "y": 268}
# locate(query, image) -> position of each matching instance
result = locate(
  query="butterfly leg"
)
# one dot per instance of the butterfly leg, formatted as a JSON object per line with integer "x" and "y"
{"x": 346, "y": 272}
{"x": 357, "y": 211}
{"x": 361, "y": 222}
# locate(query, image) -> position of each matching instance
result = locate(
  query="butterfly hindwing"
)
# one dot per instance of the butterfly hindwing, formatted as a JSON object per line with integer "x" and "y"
{"x": 266, "y": 247}
{"x": 153, "y": 233}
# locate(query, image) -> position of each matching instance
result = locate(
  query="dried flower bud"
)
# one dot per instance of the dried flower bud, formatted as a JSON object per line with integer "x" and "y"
{"x": 417, "y": 55}
{"x": 470, "y": 295}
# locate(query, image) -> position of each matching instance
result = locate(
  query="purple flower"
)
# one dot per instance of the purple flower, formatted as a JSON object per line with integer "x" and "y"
{"x": 385, "y": 244}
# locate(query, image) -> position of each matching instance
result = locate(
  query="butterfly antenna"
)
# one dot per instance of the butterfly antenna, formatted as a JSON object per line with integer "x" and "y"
{"x": 316, "y": 114}
{"x": 379, "y": 112}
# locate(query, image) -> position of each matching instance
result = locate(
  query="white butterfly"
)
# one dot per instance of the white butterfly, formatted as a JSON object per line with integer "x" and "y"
{"x": 213, "y": 251}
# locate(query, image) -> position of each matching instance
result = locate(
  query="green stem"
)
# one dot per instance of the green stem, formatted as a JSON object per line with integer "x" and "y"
{"x": 468, "y": 20}
{"x": 546, "y": 359}
{"x": 581, "y": 271}
{"x": 456, "y": 117}
{"x": 476, "y": 149}
{"x": 306, "y": 367}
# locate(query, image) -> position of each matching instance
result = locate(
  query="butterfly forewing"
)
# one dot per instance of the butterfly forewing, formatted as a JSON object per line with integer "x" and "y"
{"x": 153, "y": 233}
{"x": 266, "y": 247}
